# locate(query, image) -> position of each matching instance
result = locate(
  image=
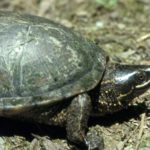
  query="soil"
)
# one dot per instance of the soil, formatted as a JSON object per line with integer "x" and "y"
{"x": 122, "y": 30}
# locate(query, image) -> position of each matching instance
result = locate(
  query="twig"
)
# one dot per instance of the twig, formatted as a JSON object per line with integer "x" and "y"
{"x": 140, "y": 131}
{"x": 143, "y": 38}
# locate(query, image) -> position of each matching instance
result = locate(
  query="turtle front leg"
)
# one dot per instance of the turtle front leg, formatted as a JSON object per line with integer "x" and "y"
{"x": 77, "y": 119}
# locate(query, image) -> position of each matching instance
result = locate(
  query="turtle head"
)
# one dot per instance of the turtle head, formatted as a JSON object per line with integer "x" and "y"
{"x": 131, "y": 80}
{"x": 121, "y": 84}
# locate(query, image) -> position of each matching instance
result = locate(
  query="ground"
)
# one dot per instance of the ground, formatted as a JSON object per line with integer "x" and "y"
{"x": 122, "y": 30}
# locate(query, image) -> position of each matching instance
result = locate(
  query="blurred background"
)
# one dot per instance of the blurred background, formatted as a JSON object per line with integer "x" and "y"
{"x": 122, "y": 29}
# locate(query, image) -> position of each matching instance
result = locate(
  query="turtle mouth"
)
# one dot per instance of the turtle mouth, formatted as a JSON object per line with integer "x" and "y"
{"x": 143, "y": 85}
{"x": 140, "y": 99}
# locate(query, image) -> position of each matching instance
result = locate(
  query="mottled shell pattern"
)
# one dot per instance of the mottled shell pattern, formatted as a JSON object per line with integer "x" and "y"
{"x": 42, "y": 62}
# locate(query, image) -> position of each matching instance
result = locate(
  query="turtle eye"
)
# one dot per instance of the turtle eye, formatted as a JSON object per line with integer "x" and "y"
{"x": 140, "y": 77}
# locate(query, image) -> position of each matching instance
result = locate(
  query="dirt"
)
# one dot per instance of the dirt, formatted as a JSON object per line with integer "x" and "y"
{"x": 122, "y": 30}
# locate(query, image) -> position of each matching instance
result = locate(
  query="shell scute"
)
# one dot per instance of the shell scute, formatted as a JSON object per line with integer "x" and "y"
{"x": 39, "y": 58}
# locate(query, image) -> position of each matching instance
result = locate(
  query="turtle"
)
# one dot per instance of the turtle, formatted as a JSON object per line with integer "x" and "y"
{"x": 52, "y": 75}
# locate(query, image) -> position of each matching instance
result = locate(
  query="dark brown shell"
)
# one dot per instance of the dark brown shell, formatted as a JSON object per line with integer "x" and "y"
{"x": 42, "y": 62}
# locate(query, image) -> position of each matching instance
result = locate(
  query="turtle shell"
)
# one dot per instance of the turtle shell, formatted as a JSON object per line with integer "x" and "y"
{"x": 42, "y": 62}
